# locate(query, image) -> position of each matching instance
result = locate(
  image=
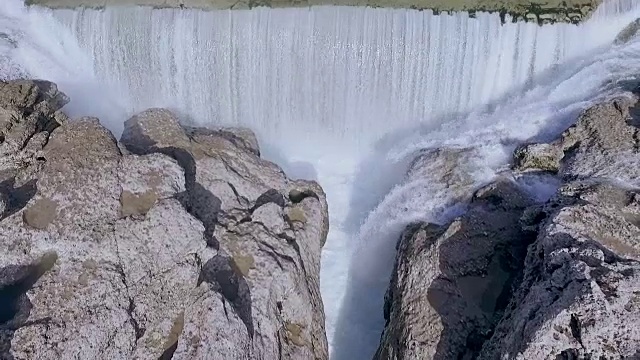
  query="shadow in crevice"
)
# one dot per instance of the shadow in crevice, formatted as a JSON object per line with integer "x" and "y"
{"x": 196, "y": 199}
{"x": 554, "y": 301}
{"x": 16, "y": 198}
{"x": 224, "y": 276}
{"x": 269, "y": 196}
{"x": 15, "y": 306}
{"x": 476, "y": 299}
{"x": 220, "y": 272}
{"x": 539, "y": 308}
{"x": 168, "y": 353}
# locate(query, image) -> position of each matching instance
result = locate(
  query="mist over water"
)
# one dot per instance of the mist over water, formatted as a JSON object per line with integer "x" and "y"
{"x": 343, "y": 95}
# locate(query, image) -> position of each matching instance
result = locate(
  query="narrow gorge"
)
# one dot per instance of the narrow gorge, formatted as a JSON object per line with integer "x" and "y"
{"x": 404, "y": 180}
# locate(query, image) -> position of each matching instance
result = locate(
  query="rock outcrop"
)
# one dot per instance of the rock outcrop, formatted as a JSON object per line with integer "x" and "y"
{"x": 451, "y": 283}
{"x": 628, "y": 33}
{"x": 580, "y": 295}
{"x": 513, "y": 279}
{"x": 601, "y": 144}
{"x": 174, "y": 243}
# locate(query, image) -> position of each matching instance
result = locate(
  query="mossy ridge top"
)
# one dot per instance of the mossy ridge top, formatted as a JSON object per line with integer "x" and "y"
{"x": 542, "y": 11}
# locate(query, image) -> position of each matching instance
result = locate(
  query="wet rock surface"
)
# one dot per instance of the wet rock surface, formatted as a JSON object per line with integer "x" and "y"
{"x": 451, "y": 283}
{"x": 187, "y": 245}
{"x": 516, "y": 279}
{"x": 603, "y": 143}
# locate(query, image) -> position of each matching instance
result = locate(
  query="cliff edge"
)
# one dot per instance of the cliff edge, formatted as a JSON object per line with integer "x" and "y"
{"x": 174, "y": 243}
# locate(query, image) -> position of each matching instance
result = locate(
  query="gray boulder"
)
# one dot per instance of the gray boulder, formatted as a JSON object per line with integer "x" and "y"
{"x": 451, "y": 283}
{"x": 601, "y": 144}
{"x": 187, "y": 245}
{"x": 449, "y": 166}
{"x": 538, "y": 157}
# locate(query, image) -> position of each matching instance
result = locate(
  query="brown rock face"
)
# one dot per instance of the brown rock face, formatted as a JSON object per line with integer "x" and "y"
{"x": 188, "y": 248}
{"x": 137, "y": 204}
{"x": 41, "y": 214}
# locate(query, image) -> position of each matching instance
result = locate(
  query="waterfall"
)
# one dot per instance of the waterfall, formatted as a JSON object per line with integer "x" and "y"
{"x": 344, "y": 95}
{"x": 337, "y": 71}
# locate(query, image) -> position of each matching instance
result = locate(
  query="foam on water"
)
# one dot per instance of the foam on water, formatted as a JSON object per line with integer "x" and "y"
{"x": 344, "y": 95}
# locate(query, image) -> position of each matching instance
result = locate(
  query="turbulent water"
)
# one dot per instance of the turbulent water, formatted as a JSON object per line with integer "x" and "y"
{"x": 343, "y": 95}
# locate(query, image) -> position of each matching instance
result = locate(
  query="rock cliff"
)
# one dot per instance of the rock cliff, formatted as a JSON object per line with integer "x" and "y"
{"x": 174, "y": 243}
{"x": 515, "y": 279}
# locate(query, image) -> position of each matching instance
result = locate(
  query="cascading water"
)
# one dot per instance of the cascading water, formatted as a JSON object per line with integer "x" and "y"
{"x": 337, "y": 71}
{"x": 344, "y": 95}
